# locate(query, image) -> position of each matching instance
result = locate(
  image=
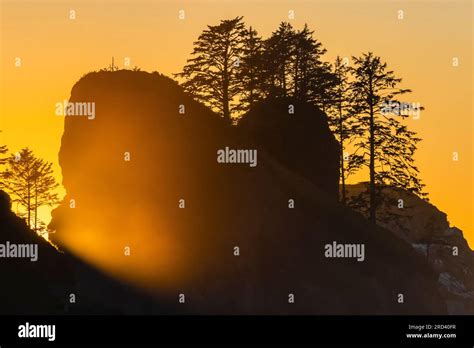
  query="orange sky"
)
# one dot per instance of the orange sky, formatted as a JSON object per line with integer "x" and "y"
{"x": 56, "y": 51}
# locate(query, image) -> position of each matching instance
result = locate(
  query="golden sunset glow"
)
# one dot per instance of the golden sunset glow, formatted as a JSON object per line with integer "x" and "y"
{"x": 55, "y": 51}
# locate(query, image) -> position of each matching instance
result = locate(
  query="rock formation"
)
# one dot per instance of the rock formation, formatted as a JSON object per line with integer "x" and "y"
{"x": 427, "y": 229}
{"x": 298, "y": 136}
{"x": 148, "y": 202}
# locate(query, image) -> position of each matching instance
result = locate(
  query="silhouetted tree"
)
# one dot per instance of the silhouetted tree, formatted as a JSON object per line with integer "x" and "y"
{"x": 387, "y": 146}
{"x": 211, "y": 75}
{"x": 322, "y": 84}
{"x": 112, "y": 66}
{"x": 279, "y": 50}
{"x": 292, "y": 66}
{"x": 232, "y": 68}
{"x": 251, "y": 69}
{"x": 312, "y": 77}
{"x": 341, "y": 122}
{"x": 30, "y": 182}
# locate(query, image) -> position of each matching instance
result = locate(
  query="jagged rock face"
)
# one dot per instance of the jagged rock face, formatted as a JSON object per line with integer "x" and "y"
{"x": 233, "y": 245}
{"x": 427, "y": 229}
{"x": 451, "y": 256}
{"x": 298, "y": 135}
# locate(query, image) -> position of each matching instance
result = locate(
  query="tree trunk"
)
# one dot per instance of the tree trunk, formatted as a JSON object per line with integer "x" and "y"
{"x": 225, "y": 90}
{"x": 225, "y": 102}
{"x": 373, "y": 207}
{"x": 284, "y": 79}
{"x": 341, "y": 136}
{"x": 36, "y": 207}
{"x": 296, "y": 81}
{"x": 28, "y": 206}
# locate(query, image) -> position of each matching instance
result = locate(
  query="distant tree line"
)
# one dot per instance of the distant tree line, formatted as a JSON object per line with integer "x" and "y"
{"x": 231, "y": 68}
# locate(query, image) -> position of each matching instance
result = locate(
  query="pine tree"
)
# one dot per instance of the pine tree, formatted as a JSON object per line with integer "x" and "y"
{"x": 251, "y": 70}
{"x": 31, "y": 183}
{"x": 211, "y": 75}
{"x": 387, "y": 146}
{"x": 292, "y": 65}
{"x": 341, "y": 122}
{"x": 311, "y": 76}
{"x": 279, "y": 50}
